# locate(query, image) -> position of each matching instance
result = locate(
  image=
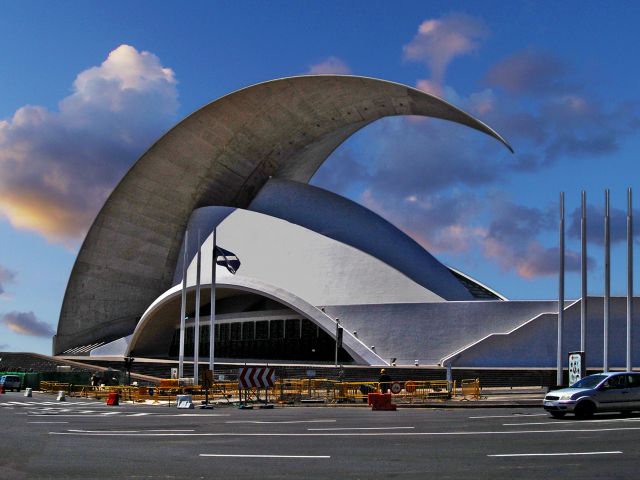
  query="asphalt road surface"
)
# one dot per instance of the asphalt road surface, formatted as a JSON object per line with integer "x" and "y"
{"x": 42, "y": 438}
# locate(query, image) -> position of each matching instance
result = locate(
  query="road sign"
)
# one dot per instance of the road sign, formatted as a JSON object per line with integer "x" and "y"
{"x": 257, "y": 377}
{"x": 577, "y": 367}
{"x": 396, "y": 387}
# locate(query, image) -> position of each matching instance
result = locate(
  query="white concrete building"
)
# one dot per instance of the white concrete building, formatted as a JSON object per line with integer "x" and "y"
{"x": 241, "y": 165}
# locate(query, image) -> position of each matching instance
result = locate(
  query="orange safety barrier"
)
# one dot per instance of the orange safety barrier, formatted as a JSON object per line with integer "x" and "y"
{"x": 113, "y": 399}
{"x": 381, "y": 401}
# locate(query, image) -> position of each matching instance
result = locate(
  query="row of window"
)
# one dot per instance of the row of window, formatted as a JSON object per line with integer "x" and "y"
{"x": 291, "y": 339}
{"x": 259, "y": 330}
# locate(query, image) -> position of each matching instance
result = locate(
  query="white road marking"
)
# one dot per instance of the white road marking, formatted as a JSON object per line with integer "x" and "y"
{"x": 565, "y": 422}
{"x": 263, "y": 456}
{"x": 360, "y": 428}
{"x": 515, "y": 415}
{"x": 42, "y": 404}
{"x": 175, "y": 430}
{"x": 47, "y": 422}
{"x": 289, "y": 421}
{"x": 554, "y": 454}
{"x": 123, "y": 414}
{"x": 95, "y": 415}
{"x": 352, "y": 434}
{"x": 193, "y": 415}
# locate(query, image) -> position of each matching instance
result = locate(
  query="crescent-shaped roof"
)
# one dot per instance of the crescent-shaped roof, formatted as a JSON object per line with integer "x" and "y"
{"x": 220, "y": 155}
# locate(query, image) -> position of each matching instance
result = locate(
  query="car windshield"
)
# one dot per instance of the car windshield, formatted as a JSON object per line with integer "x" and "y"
{"x": 589, "y": 382}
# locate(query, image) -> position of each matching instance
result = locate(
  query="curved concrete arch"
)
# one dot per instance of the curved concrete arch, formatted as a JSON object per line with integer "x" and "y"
{"x": 148, "y": 331}
{"x": 220, "y": 155}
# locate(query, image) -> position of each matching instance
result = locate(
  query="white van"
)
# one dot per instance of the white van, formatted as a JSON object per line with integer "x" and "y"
{"x": 10, "y": 382}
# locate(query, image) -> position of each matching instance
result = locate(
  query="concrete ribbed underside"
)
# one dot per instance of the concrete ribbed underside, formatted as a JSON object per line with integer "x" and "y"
{"x": 220, "y": 155}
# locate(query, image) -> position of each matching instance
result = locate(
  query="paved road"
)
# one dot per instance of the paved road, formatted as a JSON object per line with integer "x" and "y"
{"x": 42, "y": 438}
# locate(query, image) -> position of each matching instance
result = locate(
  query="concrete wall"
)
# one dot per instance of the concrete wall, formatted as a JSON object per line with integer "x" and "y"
{"x": 534, "y": 343}
{"x": 429, "y": 332}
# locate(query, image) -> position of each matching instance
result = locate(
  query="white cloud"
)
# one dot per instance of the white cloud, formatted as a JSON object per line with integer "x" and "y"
{"x": 330, "y": 65}
{"x": 57, "y": 167}
{"x": 439, "y": 41}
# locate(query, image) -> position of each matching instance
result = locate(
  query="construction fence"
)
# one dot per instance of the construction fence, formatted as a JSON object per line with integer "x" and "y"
{"x": 285, "y": 391}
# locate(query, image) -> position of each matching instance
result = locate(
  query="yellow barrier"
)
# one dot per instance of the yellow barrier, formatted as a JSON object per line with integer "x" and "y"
{"x": 284, "y": 391}
{"x": 471, "y": 388}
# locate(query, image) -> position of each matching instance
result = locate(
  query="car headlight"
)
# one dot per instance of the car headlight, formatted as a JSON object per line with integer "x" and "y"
{"x": 566, "y": 396}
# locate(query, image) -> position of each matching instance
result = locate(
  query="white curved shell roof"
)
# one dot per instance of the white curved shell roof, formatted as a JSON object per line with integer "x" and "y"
{"x": 220, "y": 155}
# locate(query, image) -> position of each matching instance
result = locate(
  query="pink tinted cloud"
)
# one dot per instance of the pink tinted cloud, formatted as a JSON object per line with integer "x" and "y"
{"x": 439, "y": 41}
{"x": 57, "y": 167}
{"x": 330, "y": 64}
{"x": 530, "y": 260}
{"x": 26, "y": 323}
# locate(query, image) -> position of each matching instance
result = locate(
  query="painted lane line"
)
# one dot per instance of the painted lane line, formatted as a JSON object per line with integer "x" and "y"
{"x": 105, "y": 431}
{"x": 175, "y": 430}
{"x": 554, "y": 454}
{"x": 263, "y": 456}
{"x": 515, "y": 415}
{"x": 353, "y": 434}
{"x": 111, "y": 415}
{"x": 359, "y": 428}
{"x": 95, "y": 415}
{"x": 47, "y": 422}
{"x": 280, "y": 422}
{"x": 564, "y": 422}
{"x": 193, "y": 415}
{"x": 128, "y": 431}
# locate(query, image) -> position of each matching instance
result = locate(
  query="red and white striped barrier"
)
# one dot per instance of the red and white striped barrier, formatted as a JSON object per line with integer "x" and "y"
{"x": 257, "y": 377}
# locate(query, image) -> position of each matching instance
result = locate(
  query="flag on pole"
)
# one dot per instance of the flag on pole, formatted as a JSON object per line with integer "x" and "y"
{"x": 225, "y": 258}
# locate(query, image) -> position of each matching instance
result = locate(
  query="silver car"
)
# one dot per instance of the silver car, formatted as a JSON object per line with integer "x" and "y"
{"x": 603, "y": 392}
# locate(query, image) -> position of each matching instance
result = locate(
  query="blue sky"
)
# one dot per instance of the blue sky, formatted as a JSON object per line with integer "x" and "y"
{"x": 86, "y": 87}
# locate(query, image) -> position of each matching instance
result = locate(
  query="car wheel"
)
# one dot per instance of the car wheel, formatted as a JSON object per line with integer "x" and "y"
{"x": 585, "y": 410}
{"x": 557, "y": 414}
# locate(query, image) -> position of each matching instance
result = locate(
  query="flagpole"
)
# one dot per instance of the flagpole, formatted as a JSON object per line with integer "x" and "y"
{"x": 629, "y": 278}
{"x": 183, "y": 307}
{"x": 607, "y": 284}
{"x": 212, "y": 325}
{"x": 559, "y": 359}
{"x": 196, "y": 332}
{"x": 583, "y": 269}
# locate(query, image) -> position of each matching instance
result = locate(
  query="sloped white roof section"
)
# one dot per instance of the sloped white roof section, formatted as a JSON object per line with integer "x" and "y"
{"x": 311, "y": 266}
